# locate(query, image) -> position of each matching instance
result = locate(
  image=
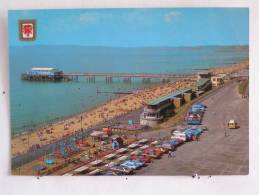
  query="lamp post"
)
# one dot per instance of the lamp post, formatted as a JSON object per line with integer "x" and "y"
{"x": 81, "y": 122}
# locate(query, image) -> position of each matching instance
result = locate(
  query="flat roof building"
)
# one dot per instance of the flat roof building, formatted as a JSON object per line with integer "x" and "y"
{"x": 157, "y": 109}
{"x": 203, "y": 74}
{"x": 43, "y": 74}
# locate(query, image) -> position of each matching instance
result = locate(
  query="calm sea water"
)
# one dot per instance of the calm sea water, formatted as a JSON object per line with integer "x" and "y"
{"x": 35, "y": 103}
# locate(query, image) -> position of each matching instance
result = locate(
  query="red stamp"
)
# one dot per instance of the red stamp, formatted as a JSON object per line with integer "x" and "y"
{"x": 27, "y": 30}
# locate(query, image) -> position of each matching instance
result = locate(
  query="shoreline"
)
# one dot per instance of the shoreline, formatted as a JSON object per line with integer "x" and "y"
{"x": 64, "y": 118}
{"x": 42, "y": 124}
{"x": 112, "y": 108}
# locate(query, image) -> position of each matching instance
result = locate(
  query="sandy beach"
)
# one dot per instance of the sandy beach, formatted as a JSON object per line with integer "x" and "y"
{"x": 121, "y": 105}
{"x": 111, "y": 109}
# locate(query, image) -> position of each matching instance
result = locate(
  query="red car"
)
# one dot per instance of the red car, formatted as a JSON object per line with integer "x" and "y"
{"x": 145, "y": 159}
{"x": 154, "y": 153}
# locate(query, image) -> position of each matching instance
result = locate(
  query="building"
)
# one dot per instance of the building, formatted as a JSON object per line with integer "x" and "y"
{"x": 217, "y": 81}
{"x": 203, "y": 75}
{"x": 155, "y": 112}
{"x": 240, "y": 75}
{"x": 42, "y": 74}
{"x": 202, "y": 86}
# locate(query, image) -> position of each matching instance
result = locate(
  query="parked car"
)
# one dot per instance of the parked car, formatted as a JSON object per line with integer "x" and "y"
{"x": 121, "y": 169}
{"x": 168, "y": 145}
{"x": 154, "y": 153}
{"x": 193, "y": 119}
{"x": 132, "y": 164}
{"x": 198, "y": 104}
{"x": 180, "y": 137}
{"x": 232, "y": 124}
{"x": 145, "y": 159}
{"x": 193, "y": 133}
{"x": 176, "y": 141}
{"x": 111, "y": 173}
{"x": 138, "y": 162}
{"x": 172, "y": 144}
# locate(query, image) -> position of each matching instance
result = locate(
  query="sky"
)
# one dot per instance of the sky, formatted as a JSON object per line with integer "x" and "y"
{"x": 160, "y": 27}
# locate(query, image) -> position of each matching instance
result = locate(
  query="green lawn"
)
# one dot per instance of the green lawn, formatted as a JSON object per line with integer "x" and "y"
{"x": 242, "y": 87}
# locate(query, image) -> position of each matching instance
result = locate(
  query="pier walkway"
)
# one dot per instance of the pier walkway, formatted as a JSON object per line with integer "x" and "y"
{"x": 146, "y": 77}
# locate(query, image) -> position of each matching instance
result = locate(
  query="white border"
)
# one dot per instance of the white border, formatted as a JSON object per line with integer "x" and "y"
{"x": 132, "y": 185}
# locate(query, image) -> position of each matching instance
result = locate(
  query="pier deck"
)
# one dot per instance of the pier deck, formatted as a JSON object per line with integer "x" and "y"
{"x": 127, "y": 77}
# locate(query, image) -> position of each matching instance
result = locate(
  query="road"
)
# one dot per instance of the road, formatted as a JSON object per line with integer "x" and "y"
{"x": 214, "y": 153}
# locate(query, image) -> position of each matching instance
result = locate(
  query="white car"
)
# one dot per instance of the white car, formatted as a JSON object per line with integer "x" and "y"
{"x": 181, "y": 137}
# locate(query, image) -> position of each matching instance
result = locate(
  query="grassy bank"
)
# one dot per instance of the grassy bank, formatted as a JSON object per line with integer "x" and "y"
{"x": 178, "y": 118}
{"x": 242, "y": 87}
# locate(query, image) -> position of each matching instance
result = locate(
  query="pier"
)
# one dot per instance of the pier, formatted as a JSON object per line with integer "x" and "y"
{"x": 52, "y": 74}
{"x": 128, "y": 77}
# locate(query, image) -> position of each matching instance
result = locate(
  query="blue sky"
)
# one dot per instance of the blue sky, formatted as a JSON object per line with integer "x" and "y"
{"x": 135, "y": 27}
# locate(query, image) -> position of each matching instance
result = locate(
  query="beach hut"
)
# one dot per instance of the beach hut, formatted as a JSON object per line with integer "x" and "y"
{"x": 99, "y": 136}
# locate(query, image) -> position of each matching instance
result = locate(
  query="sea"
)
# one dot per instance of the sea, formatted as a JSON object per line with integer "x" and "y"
{"x": 33, "y": 104}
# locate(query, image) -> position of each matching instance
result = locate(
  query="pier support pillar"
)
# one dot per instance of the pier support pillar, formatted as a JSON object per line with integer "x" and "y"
{"x": 108, "y": 79}
{"x": 163, "y": 80}
{"x": 75, "y": 78}
{"x": 146, "y": 80}
{"x": 90, "y": 79}
{"x": 127, "y": 80}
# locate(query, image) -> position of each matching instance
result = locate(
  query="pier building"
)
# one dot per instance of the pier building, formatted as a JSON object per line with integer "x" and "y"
{"x": 43, "y": 74}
